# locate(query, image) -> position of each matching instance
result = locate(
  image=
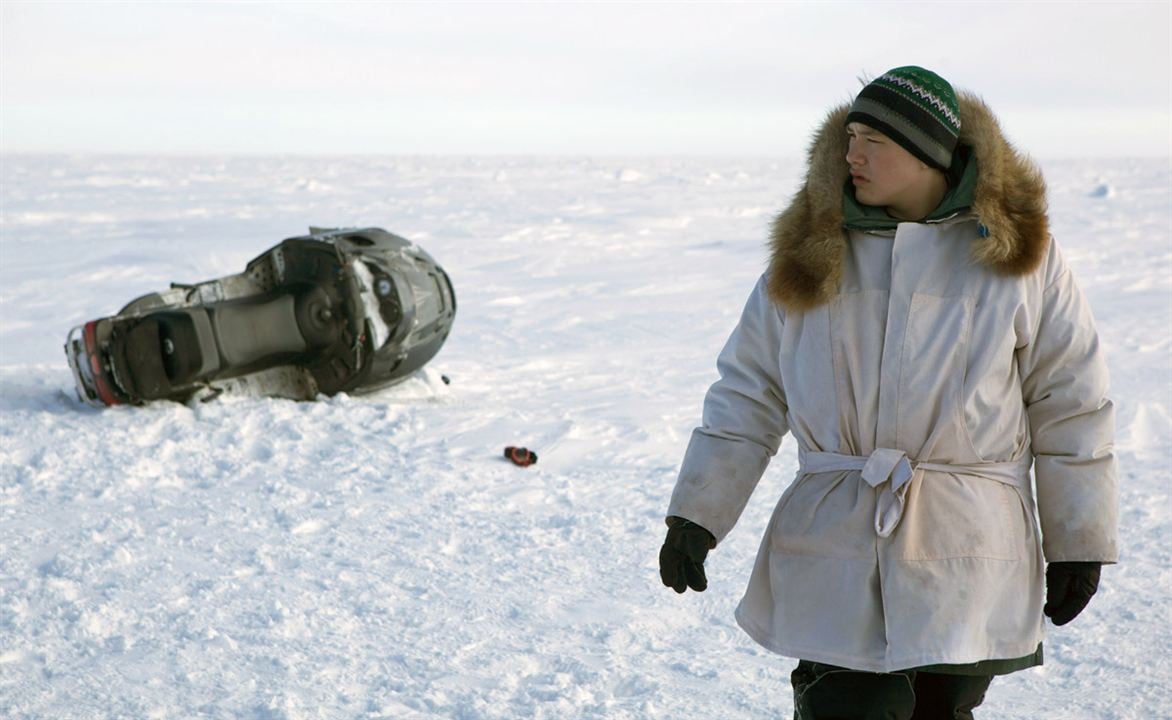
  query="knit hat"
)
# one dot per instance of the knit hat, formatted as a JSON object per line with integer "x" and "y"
{"x": 914, "y": 107}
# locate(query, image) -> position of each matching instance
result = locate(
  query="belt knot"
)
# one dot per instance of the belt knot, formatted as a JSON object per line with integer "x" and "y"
{"x": 893, "y": 470}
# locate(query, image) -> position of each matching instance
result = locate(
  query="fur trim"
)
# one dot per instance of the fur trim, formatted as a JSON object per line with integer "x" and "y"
{"x": 808, "y": 239}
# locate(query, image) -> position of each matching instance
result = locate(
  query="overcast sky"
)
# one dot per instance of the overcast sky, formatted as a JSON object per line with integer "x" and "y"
{"x": 1066, "y": 79}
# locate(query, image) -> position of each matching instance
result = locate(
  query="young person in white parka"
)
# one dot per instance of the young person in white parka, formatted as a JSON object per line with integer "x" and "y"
{"x": 921, "y": 336}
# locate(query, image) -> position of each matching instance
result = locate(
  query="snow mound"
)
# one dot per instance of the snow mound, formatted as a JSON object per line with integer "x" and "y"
{"x": 1103, "y": 190}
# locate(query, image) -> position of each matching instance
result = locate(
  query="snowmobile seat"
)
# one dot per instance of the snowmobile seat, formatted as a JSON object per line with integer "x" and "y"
{"x": 252, "y": 329}
{"x": 169, "y": 349}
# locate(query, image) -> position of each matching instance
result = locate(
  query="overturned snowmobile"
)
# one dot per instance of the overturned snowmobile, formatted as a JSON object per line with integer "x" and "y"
{"x": 334, "y": 311}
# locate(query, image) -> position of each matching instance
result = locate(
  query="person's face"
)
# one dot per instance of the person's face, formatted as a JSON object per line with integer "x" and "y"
{"x": 885, "y": 175}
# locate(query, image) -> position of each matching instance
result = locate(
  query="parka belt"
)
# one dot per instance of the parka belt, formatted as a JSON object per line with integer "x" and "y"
{"x": 894, "y": 471}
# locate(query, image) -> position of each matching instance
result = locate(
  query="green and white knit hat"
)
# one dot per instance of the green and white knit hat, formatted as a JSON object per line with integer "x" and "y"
{"x": 914, "y": 107}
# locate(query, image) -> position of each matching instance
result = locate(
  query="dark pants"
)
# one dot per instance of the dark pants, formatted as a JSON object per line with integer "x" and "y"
{"x": 826, "y": 692}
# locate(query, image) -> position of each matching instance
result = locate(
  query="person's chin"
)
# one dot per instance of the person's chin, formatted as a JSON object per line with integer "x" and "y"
{"x": 865, "y": 196}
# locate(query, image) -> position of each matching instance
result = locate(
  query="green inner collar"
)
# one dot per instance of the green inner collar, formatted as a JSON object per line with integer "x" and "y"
{"x": 962, "y": 183}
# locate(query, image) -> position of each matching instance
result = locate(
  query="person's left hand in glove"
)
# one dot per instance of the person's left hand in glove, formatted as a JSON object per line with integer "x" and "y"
{"x": 1069, "y": 587}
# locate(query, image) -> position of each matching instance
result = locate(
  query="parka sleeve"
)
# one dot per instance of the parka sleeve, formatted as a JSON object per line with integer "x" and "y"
{"x": 1072, "y": 423}
{"x": 743, "y": 423}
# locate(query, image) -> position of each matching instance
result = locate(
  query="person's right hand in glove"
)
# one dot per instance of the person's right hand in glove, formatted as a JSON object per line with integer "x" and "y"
{"x": 681, "y": 559}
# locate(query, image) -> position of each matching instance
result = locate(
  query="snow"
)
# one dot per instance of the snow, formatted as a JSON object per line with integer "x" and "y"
{"x": 376, "y": 557}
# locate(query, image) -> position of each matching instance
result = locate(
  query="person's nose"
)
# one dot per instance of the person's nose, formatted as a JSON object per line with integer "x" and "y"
{"x": 854, "y": 158}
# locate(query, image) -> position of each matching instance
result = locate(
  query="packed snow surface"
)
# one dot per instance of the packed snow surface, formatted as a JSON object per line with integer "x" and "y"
{"x": 376, "y": 556}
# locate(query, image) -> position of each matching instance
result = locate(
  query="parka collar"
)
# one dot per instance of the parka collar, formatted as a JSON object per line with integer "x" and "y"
{"x": 1008, "y": 199}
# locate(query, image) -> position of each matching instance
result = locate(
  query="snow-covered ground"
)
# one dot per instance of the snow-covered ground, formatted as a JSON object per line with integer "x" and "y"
{"x": 376, "y": 557}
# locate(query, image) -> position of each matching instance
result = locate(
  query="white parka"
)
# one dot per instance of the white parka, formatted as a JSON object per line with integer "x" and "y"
{"x": 921, "y": 372}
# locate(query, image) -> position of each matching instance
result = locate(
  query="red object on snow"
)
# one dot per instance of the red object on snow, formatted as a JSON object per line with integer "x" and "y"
{"x": 521, "y": 456}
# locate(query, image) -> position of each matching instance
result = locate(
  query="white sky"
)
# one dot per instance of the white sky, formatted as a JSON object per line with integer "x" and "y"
{"x": 1066, "y": 79}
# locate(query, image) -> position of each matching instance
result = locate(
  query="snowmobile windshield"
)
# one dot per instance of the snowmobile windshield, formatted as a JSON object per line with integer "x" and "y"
{"x": 427, "y": 297}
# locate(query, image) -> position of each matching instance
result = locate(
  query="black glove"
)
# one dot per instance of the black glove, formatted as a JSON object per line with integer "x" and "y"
{"x": 1069, "y": 587}
{"x": 681, "y": 559}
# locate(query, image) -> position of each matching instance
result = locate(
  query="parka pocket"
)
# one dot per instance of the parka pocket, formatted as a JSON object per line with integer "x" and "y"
{"x": 933, "y": 363}
{"x": 951, "y": 516}
{"x": 829, "y": 514}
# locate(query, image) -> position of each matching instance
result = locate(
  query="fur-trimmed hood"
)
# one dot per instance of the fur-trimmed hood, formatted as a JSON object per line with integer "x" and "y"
{"x": 808, "y": 237}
